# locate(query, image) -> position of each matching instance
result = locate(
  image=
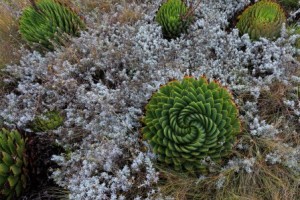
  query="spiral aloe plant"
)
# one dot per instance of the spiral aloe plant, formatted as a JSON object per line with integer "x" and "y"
{"x": 49, "y": 121}
{"x": 263, "y": 19}
{"x": 174, "y": 18}
{"x": 188, "y": 121}
{"x": 46, "y": 21}
{"x": 13, "y": 164}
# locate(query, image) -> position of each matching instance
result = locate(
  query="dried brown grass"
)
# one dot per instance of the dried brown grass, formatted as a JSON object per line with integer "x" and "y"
{"x": 270, "y": 102}
{"x": 127, "y": 16}
{"x": 16, "y": 5}
{"x": 10, "y": 40}
{"x": 265, "y": 182}
{"x": 272, "y": 109}
{"x": 9, "y": 37}
{"x": 103, "y": 5}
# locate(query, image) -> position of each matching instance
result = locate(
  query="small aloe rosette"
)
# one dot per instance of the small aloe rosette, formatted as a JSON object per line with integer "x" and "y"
{"x": 263, "y": 19}
{"x": 51, "y": 120}
{"x": 190, "y": 120}
{"x": 46, "y": 23}
{"x": 174, "y": 18}
{"x": 13, "y": 163}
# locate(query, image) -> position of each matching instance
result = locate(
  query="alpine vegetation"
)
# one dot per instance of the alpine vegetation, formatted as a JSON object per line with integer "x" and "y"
{"x": 174, "y": 17}
{"x": 47, "y": 21}
{"x": 13, "y": 177}
{"x": 263, "y": 19}
{"x": 102, "y": 81}
{"x": 297, "y": 31}
{"x": 289, "y": 4}
{"x": 188, "y": 121}
{"x": 51, "y": 120}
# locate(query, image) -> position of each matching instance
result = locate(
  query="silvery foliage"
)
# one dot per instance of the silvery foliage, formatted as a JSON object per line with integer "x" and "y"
{"x": 103, "y": 80}
{"x": 241, "y": 164}
{"x": 261, "y": 128}
{"x": 290, "y": 158}
{"x": 220, "y": 182}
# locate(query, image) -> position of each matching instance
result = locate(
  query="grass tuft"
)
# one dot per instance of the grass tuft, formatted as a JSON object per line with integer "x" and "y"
{"x": 9, "y": 37}
{"x": 128, "y": 16}
{"x": 270, "y": 102}
{"x": 265, "y": 182}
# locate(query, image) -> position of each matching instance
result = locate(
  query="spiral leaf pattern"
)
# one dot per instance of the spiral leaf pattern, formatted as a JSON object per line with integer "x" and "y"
{"x": 13, "y": 163}
{"x": 187, "y": 121}
{"x": 263, "y": 19}
{"x": 45, "y": 23}
{"x": 173, "y": 18}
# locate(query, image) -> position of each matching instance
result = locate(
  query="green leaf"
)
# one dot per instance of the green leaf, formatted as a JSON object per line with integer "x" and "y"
{"x": 18, "y": 188}
{"x": 191, "y": 148}
{"x": 188, "y": 166}
{"x": 208, "y": 109}
{"x": 7, "y": 159}
{"x": 19, "y": 162}
{"x": 204, "y": 150}
{"x": 16, "y": 170}
{"x": 11, "y": 146}
{"x": 214, "y": 113}
{"x": 3, "y": 144}
{"x": 4, "y": 169}
{"x": 13, "y": 180}
{"x": 20, "y": 148}
{"x": 3, "y": 180}
{"x": 201, "y": 106}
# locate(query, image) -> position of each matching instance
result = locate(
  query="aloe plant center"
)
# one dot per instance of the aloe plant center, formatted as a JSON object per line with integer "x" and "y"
{"x": 189, "y": 121}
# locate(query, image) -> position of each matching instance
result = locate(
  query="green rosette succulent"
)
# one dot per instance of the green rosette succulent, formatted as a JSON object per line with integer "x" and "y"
{"x": 47, "y": 21}
{"x": 189, "y": 121}
{"x": 174, "y": 18}
{"x": 13, "y": 163}
{"x": 263, "y": 19}
{"x": 49, "y": 121}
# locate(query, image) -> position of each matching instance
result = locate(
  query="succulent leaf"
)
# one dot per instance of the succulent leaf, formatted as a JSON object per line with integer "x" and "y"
{"x": 12, "y": 180}
{"x": 12, "y": 165}
{"x": 16, "y": 170}
{"x": 49, "y": 121}
{"x": 3, "y": 169}
{"x": 190, "y": 120}
{"x": 48, "y": 22}
{"x": 174, "y": 18}
{"x": 19, "y": 188}
{"x": 263, "y": 19}
{"x": 7, "y": 159}
{"x": 2, "y": 180}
